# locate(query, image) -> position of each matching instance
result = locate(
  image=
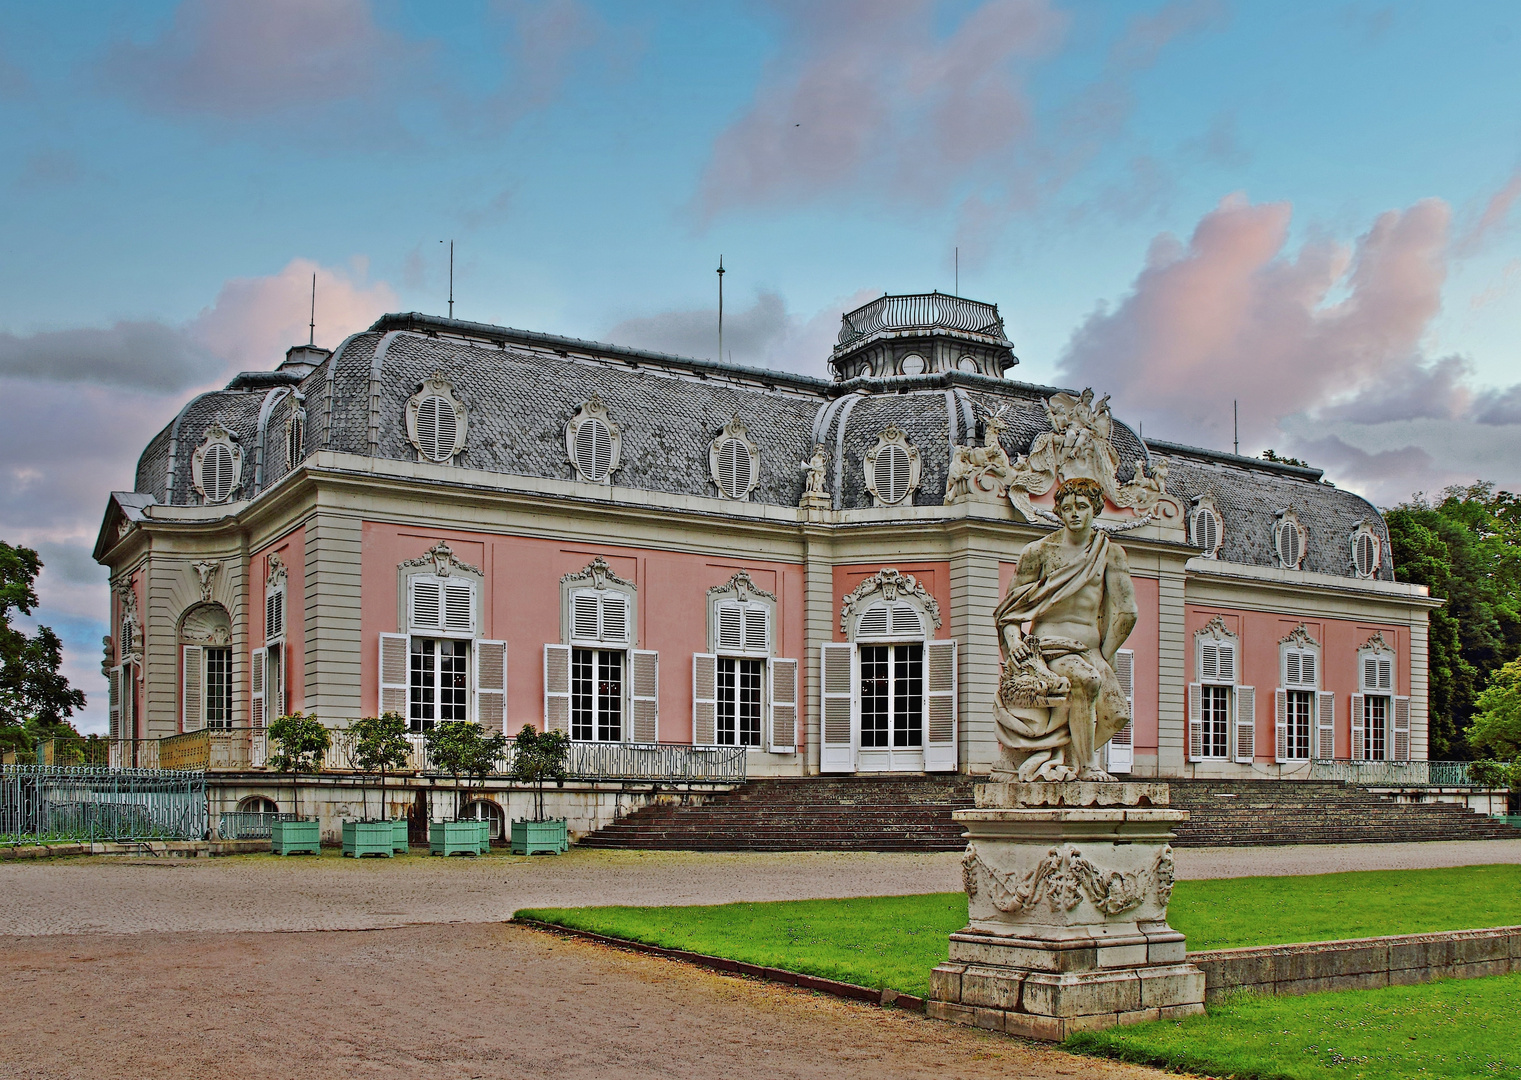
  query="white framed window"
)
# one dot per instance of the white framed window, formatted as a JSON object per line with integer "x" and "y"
{"x": 438, "y": 682}
{"x": 216, "y": 466}
{"x": 892, "y": 467}
{"x": 445, "y": 606}
{"x": 1297, "y": 701}
{"x": 1367, "y": 551}
{"x": 741, "y": 694}
{"x": 268, "y": 700}
{"x": 206, "y": 668}
{"x": 1289, "y": 540}
{"x": 1222, "y": 713}
{"x": 1119, "y": 752}
{"x": 594, "y": 443}
{"x": 734, "y": 461}
{"x": 1380, "y": 716}
{"x": 1205, "y": 528}
{"x": 913, "y": 364}
{"x": 437, "y": 421}
{"x": 598, "y": 687}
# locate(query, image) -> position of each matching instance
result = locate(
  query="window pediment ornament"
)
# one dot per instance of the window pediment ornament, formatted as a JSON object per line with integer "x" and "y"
{"x": 892, "y": 585}
{"x": 740, "y": 587}
{"x": 1289, "y": 540}
{"x": 597, "y": 574}
{"x": 437, "y": 421}
{"x": 130, "y": 644}
{"x": 594, "y": 443}
{"x": 1376, "y": 643}
{"x": 1299, "y": 638}
{"x": 734, "y": 461}
{"x": 441, "y": 560}
{"x": 892, "y": 468}
{"x": 205, "y": 573}
{"x": 275, "y": 575}
{"x": 206, "y": 624}
{"x": 1216, "y": 630}
{"x": 216, "y": 467}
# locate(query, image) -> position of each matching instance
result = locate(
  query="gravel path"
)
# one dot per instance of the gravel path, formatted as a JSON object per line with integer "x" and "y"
{"x": 436, "y": 1002}
{"x": 260, "y": 893}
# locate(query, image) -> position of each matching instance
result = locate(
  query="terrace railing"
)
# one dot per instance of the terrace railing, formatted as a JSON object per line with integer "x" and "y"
{"x": 656, "y": 761}
{"x": 923, "y": 311}
{"x": 249, "y": 825}
{"x": 1394, "y": 773}
{"x": 49, "y": 803}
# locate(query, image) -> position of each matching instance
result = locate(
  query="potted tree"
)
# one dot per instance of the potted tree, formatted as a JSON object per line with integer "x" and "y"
{"x": 302, "y": 740}
{"x": 537, "y": 757}
{"x": 460, "y": 749}
{"x": 380, "y": 745}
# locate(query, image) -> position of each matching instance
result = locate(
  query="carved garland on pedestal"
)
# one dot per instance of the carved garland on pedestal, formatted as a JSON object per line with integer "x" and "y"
{"x": 740, "y": 587}
{"x": 891, "y": 584}
{"x": 1064, "y": 877}
{"x": 442, "y": 559}
{"x": 597, "y": 574}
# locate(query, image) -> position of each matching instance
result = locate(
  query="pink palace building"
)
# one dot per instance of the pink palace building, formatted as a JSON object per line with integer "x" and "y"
{"x": 459, "y": 521}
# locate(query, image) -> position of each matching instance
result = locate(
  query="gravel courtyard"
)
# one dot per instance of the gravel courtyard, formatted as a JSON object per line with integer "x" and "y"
{"x": 258, "y": 967}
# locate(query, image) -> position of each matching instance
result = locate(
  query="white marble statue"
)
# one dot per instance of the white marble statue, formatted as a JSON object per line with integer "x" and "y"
{"x": 1070, "y": 608}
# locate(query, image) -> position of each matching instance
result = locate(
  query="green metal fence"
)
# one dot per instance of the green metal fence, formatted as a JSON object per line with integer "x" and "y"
{"x": 51, "y": 803}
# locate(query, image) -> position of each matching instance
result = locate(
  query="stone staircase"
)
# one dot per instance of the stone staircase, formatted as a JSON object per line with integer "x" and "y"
{"x": 913, "y": 813}
{"x": 857, "y": 813}
{"x": 1246, "y": 813}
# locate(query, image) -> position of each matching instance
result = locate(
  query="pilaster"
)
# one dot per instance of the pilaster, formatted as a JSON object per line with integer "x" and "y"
{"x": 974, "y": 595}
{"x": 332, "y": 617}
{"x": 1172, "y": 678}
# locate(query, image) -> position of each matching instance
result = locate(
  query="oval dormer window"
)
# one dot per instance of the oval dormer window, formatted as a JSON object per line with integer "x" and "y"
{"x": 594, "y": 449}
{"x": 892, "y": 473}
{"x": 217, "y": 473}
{"x": 1365, "y": 553}
{"x": 734, "y": 468}
{"x": 1290, "y": 542}
{"x": 913, "y": 364}
{"x": 436, "y": 428}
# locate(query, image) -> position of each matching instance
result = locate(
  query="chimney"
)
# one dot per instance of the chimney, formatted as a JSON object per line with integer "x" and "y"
{"x": 302, "y": 360}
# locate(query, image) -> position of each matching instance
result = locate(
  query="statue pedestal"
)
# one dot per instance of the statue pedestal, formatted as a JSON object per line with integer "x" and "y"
{"x": 1068, "y": 887}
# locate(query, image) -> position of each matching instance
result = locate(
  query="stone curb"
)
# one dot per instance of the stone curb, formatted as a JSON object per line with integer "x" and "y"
{"x": 885, "y": 998}
{"x": 171, "y": 848}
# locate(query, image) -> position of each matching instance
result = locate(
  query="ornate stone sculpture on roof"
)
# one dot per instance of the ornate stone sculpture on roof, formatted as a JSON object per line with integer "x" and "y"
{"x": 1070, "y": 608}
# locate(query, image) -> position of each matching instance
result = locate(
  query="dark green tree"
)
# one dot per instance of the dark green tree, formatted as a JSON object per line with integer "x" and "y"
{"x": 1466, "y": 548}
{"x": 35, "y": 697}
{"x": 380, "y": 745}
{"x": 462, "y": 749}
{"x": 539, "y": 757}
{"x": 302, "y": 740}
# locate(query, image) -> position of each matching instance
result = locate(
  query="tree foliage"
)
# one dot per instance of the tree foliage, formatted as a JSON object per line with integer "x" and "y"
{"x": 1466, "y": 548}
{"x": 302, "y": 740}
{"x": 462, "y": 749}
{"x": 380, "y": 745}
{"x": 537, "y": 757}
{"x": 1496, "y": 727}
{"x": 35, "y": 697}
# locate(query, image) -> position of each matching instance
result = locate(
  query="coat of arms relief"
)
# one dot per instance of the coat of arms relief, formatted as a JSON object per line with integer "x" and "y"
{"x": 1079, "y": 445}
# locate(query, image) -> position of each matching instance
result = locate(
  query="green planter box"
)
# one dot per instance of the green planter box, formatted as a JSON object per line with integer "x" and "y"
{"x": 368, "y": 838}
{"x": 290, "y": 837}
{"x": 530, "y": 837}
{"x": 454, "y": 838}
{"x": 485, "y": 836}
{"x": 399, "y": 835}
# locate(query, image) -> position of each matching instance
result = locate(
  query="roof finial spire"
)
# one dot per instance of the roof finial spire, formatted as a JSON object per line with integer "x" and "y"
{"x": 720, "y": 309}
{"x": 311, "y": 327}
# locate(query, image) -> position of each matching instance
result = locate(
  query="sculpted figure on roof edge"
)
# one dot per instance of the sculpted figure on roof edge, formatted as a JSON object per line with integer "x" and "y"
{"x": 1070, "y": 608}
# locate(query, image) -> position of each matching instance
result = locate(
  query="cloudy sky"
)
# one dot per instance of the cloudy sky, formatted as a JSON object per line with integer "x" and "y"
{"x": 1304, "y": 207}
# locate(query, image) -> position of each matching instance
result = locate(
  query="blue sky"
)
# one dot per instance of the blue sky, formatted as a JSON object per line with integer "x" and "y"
{"x": 1304, "y": 207}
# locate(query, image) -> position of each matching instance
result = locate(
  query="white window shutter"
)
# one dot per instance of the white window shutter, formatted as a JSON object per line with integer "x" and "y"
{"x": 1195, "y": 722}
{"x": 256, "y": 710}
{"x": 731, "y": 630}
{"x": 756, "y": 638}
{"x": 940, "y": 706}
{"x": 704, "y": 699}
{"x": 1209, "y": 661}
{"x": 1291, "y": 676}
{"x": 393, "y": 674}
{"x": 192, "y": 689}
{"x": 1246, "y": 725}
{"x": 783, "y": 706}
{"x": 644, "y": 665}
{"x": 1357, "y": 727}
{"x": 873, "y": 622}
{"x": 1227, "y": 662}
{"x": 1401, "y": 729}
{"x": 585, "y": 617}
{"x": 427, "y": 605}
{"x": 557, "y": 688}
{"x": 1325, "y": 725}
{"x": 459, "y": 607}
{"x": 615, "y": 626}
{"x": 274, "y": 615}
{"x": 1121, "y": 748}
{"x": 274, "y": 682}
{"x": 113, "y": 698}
{"x": 491, "y": 685}
{"x": 837, "y": 744}
{"x": 1307, "y": 668}
{"x": 1385, "y": 674}
{"x": 1280, "y": 726}
{"x": 905, "y": 621}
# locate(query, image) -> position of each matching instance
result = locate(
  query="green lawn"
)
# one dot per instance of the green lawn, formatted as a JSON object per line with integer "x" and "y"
{"x": 894, "y": 941}
{"x": 1455, "y": 1028}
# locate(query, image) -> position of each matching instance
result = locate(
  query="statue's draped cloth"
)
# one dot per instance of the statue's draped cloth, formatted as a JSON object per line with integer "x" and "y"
{"x": 1026, "y": 720}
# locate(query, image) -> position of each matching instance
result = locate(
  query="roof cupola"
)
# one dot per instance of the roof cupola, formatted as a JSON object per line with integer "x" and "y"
{"x": 920, "y": 335}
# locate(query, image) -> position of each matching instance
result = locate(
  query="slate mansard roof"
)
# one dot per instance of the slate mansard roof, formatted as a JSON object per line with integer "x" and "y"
{"x": 521, "y": 389}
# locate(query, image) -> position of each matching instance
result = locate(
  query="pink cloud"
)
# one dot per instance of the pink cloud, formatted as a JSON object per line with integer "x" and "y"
{"x": 254, "y": 320}
{"x": 231, "y": 58}
{"x": 870, "y": 89}
{"x": 1495, "y": 214}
